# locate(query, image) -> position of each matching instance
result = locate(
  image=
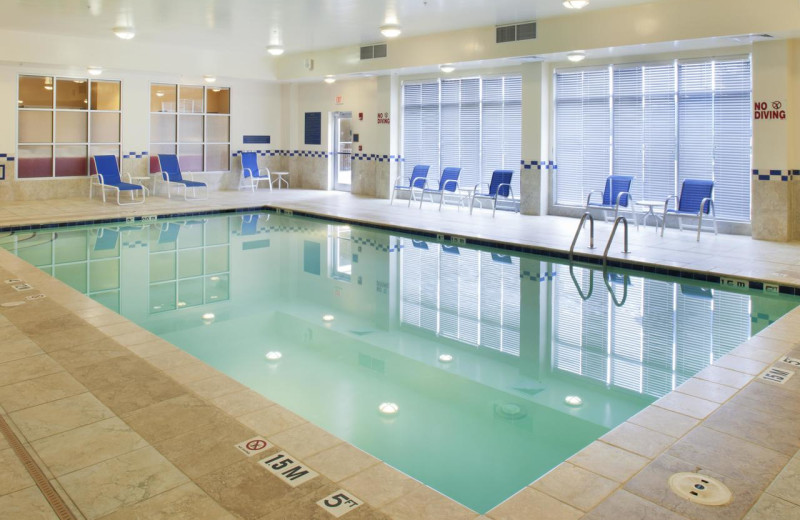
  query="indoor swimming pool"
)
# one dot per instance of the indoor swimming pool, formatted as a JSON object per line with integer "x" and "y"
{"x": 473, "y": 370}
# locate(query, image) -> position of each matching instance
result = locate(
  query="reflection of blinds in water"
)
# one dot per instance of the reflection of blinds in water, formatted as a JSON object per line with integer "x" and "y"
{"x": 462, "y": 294}
{"x": 681, "y": 326}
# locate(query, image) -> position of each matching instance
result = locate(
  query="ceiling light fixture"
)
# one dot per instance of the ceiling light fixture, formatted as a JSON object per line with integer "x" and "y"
{"x": 216, "y": 89}
{"x": 209, "y": 78}
{"x": 329, "y": 80}
{"x": 275, "y": 50}
{"x": 94, "y": 71}
{"x": 575, "y": 4}
{"x": 575, "y": 57}
{"x": 125, "y": 32}
{"x": 48, "y": 83}
{"x": 447, "y": 68}
{"x": 391, "y": 30}
{"x": 161, "y": 94}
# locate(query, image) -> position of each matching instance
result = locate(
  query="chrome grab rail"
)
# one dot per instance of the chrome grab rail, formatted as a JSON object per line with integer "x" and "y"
{"x": 588, "y": 295}
{"x": 610, "y": 289}
{"x": 578, "y": 232}
{"x": 611, "y": 238}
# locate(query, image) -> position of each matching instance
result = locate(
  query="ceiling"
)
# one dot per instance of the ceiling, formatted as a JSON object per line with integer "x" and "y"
{"x": 299, "y": 25}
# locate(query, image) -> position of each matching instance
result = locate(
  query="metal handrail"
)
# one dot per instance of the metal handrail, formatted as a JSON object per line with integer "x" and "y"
{"x": 588, "y": 295}
{"x": 578, "y": 232}
{"x": 610, "y": 289}
{"x": 611, "y": 238}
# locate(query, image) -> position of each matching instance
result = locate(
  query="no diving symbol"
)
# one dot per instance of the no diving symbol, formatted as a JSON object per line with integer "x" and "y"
{"x": 776, "y": 105}
{"x": 256, "y": 444}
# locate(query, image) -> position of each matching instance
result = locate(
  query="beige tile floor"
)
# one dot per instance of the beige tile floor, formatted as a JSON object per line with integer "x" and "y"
{"x": 116, "y": 417}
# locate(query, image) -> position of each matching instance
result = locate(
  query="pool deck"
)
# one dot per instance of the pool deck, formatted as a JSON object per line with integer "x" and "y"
{"x": 125, "y": 425}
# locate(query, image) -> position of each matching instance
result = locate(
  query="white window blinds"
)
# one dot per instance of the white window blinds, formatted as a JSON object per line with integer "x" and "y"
{"x": 474, "y": 123}
{"x": 661, "y": 123}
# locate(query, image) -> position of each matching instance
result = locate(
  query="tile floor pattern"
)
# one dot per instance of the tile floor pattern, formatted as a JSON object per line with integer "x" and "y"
{"x": 116, "y": 417}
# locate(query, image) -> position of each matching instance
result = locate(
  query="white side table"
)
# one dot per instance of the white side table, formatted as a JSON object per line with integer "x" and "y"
{"x": 651, "y": 204}
{"x": 280, "y": 178}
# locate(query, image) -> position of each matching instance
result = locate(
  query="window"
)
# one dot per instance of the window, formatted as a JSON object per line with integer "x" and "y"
{"x": 474, "y": 123}
{"x": 341, "y": 253}
{"x": 660, "y": 122}
{"x": 64, "y": 121}
{"x": 192, "y": 122}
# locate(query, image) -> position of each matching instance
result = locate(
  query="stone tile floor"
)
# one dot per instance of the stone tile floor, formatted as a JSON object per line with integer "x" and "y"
{"x": 116, "y": 417}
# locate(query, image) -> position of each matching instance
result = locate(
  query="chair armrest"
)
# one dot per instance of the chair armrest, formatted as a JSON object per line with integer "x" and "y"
{"x": 622, "y": 194}
{"x": 709, "y": 202}
{"x": 447, "y": 183}
{"x": 589, "y": 197}
{"x": 130, "y": 180}
{"x": 397, "y": 179}
{"x": 666, "y": 201}
{"x": 510, "y": 191}
{"x": 100, "y": 178}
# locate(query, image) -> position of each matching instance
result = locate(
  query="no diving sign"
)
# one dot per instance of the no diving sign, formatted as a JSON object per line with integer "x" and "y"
{"x": 254, "y": 446}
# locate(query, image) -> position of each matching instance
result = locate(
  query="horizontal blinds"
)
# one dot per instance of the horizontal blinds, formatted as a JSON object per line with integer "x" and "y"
{"x": 472, "y": 123}
{"x": 667, "y": 122}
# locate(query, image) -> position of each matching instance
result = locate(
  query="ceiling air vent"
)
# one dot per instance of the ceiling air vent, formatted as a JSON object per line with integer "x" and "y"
{"x": 370, "y": 52}
{"x": 516, "y": 32}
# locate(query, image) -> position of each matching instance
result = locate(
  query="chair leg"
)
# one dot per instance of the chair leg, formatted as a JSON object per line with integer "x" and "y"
{"x": 391, "y": 199}
{"x": 699, "y": 224}
{"x": 472, "y": 203}
{"x": 494, "y": 206}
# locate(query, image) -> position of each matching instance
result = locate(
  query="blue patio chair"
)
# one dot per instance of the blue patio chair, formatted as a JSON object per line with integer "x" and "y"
{"x": 448, "y": 185}
{"x": 108, "y": 178}
{"x": 499, "y": 186}
{"x": 418, "y": 180}
{"x": 251, "y": 170}
{"x": 615, "y": 195}
{"x": 693, "y": 202}
{"x": 171, "y": 177}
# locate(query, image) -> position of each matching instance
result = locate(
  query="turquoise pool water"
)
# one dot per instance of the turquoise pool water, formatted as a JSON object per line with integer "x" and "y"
{"x": 501, "y": 366}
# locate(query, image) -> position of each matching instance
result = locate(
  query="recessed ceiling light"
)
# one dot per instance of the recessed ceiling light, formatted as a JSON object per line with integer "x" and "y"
{"x": 126, "y": 32}
{"x": 94, "y": 71}
{"x": 209, "y": 78}
{"x": 391, "y": 30}
{"x": 161, "y": 94}
{"x": 447, "y": 68}
{"x": 575, "y": 4}
{"x": 575, "y": 57}
{"x": 215, "y": 89}
{"x": 329, "y": 80}
{"x": 275, "y": 50}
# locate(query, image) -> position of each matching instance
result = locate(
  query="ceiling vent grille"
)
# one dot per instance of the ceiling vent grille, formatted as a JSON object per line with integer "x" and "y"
{"x": 516, "y": 32}
{"x": 370, "y": 52}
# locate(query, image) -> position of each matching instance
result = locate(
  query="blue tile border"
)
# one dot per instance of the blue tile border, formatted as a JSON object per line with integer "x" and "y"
{"x": 538, "y": 165}
{"x": 776, "y": 175}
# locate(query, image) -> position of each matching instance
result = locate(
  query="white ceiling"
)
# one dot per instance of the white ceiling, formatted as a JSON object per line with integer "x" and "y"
{"x": 247, "y": 25}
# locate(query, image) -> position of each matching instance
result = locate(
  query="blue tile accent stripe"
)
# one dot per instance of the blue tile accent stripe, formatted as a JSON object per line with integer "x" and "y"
{"x": 135, "y": 155}
{"x": 776, "y": 175}
{"x": 537, "y": 277}
{"x": 320, "y": 154}
{"x": 538, "y": 165}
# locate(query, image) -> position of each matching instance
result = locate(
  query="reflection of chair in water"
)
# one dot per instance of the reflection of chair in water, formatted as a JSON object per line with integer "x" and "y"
{"x": 250, "y": 223}
{"x": 501, "y": 259}
{"x": 169, "y": 232}
{"x": 106, "y": 239}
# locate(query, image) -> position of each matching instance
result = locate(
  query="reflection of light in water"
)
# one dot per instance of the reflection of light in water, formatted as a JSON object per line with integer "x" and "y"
{"x": 573, "y": 400}
{"x": 208, "y": 318}
{"x": 273, "y": 355}
{"x": 445, "y": 358}
{"x": 388, "y": 408}
{"x": 328, "y": 317}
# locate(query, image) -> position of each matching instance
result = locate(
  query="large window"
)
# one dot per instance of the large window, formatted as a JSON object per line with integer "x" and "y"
{"x": 474, "y": 123}
{"x": 192, "y": 122}
{"x": 660, "y": 122}
{"x": 64, "y": 121}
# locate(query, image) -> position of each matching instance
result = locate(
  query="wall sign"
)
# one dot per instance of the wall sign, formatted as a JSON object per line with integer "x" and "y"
{"x": 383, "y": 118}
{"x": 313, "y": 128}
{"x": 339, "y": 503}
{"x": 339, "y": 100}
{"x": 255, "y": 139}
{"x": 764, "y": 110}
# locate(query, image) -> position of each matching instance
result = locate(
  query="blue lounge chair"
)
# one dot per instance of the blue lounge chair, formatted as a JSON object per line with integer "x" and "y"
{"x": 616, "y": 195}
{"x": 694, "y": 202}
{"x": 171, "y": 176}
{"x": 251, "y": 170}
{"x": 499, "y": 186}
{"x": 448, "y": 184}
{"x": 418, "y": 180}
{"x": 108, "y": 178}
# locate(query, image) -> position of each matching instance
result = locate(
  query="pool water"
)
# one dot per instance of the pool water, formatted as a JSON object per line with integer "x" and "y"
{"x": 499, "y": 366}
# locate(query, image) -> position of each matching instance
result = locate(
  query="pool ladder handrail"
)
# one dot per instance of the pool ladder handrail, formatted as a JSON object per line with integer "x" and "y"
{"x": 611, "y": 238}
{"x": 588, "y": 295}
{"x": 578, "y": 232}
